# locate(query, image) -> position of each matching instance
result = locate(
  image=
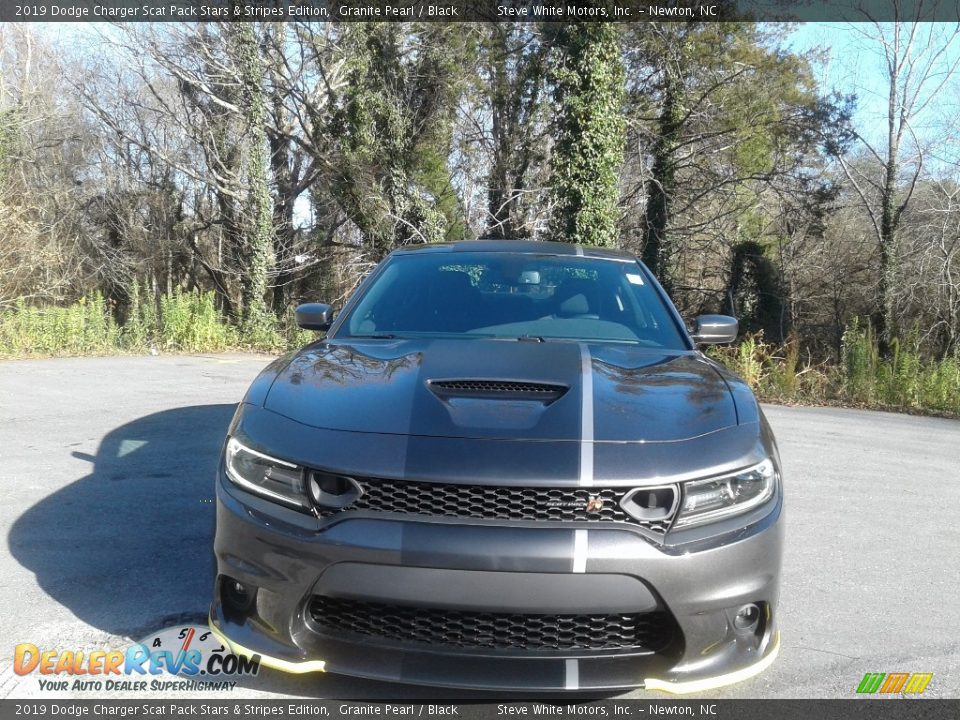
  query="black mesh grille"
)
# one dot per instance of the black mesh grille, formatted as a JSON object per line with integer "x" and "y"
{"x": 496, "y": 502}
{"x": 494, "y": 386}
{"x": 631, "y": 631}
{"x": 498, "y": 389}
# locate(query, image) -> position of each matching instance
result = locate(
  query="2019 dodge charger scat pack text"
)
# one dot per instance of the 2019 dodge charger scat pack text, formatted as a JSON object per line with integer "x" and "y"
{"x": 506, "y": 466}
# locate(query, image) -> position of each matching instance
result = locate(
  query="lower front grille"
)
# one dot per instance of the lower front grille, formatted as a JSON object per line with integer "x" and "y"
{"x": 637, "y": 632}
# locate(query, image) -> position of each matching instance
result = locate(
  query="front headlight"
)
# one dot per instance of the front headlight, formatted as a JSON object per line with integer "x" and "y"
{"x": 264, "y": 475}
{"x": 717, "y": 498}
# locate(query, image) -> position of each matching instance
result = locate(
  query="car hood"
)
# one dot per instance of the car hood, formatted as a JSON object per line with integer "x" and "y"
{"x": 599, "y": 392}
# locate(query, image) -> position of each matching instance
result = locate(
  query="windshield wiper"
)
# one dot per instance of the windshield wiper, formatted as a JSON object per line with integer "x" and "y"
{"x": 375, "y": 336}
{"x": 531, "y": 338}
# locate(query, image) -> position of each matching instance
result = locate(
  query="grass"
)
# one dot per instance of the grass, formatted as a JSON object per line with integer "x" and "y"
{"x": 84, "y": 328}
{"x": 178, "y": 322}
{"x": 190, "y": 322}
{"x": 905, "y": 381}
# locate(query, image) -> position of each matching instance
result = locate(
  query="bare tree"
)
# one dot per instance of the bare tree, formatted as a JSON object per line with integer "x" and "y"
{"x": 214, "y": 106}
{"x": 721, "y": 118}
{"x": 514, "y": 62}
{"x": 930, "y": 286}
{"x": 918, "y": 64}
{"x": 45, "y": 252}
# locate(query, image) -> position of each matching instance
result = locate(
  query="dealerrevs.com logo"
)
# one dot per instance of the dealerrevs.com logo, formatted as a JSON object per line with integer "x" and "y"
{"x": 190, "y": 653}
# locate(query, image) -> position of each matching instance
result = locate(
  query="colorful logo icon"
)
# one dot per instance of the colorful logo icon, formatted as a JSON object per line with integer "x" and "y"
{"x": 900, "y": 682}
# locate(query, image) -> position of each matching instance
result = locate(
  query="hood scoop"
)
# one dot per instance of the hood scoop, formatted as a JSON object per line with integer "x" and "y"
{"x": 497, "y": 390}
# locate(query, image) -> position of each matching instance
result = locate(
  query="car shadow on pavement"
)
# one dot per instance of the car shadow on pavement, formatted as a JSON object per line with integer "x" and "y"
{"x": 127, "y": 548}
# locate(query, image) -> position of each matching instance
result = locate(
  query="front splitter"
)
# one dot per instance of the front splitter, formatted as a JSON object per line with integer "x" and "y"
{"x": 656, "y": 684}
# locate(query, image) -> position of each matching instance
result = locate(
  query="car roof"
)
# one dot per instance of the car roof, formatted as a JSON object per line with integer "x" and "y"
{"x": 532, "y": 247}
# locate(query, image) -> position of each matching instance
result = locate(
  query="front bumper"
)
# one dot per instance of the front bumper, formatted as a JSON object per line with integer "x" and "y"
{"x": 504, "y": 567}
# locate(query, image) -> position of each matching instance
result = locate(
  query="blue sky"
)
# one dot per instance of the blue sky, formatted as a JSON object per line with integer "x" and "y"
{"x": 855, "y": 64}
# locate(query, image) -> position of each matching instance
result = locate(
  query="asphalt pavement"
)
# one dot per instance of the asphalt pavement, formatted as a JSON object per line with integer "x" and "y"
{"x": 106, "y": 469}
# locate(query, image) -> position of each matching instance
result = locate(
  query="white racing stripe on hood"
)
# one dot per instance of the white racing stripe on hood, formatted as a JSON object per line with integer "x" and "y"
{"x": 586, "y": 418}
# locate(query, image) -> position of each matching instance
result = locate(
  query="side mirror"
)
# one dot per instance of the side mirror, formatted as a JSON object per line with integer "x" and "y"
{"x": 715, "y": 329}
{"x": 314, "y": 316}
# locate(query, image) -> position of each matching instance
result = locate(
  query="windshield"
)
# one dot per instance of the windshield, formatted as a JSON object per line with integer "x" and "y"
{"x": 514, "y": 295}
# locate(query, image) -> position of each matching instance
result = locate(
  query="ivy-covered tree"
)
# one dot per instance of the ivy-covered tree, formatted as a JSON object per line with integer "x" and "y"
{"x": 587, "y": 75}
{"x": 257, "y": 248}
{"x": 393, "y": 131}
{"x": 757, "y": 294}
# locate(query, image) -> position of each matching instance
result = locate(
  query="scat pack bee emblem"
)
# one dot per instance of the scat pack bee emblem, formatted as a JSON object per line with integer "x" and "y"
{"x": 593, "y": 504}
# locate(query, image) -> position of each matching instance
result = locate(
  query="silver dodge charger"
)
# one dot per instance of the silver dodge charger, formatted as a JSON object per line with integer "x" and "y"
{"x": 508, "y": 466}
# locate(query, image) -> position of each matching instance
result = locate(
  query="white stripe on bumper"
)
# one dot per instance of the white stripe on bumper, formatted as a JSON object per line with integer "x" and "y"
{"x": 579, "y": 551}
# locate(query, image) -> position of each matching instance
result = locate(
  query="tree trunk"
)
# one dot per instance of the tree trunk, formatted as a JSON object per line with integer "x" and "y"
{"x": 885, "y": 320}
{"x": 258, "y": 245}
{"x": 589, "y": 93}
{"x": 656, "y": 248}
